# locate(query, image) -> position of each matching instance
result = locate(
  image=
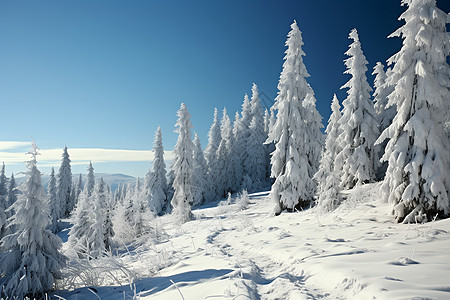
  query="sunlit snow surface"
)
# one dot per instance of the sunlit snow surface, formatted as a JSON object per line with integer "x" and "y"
{"x": 355, "y": 252}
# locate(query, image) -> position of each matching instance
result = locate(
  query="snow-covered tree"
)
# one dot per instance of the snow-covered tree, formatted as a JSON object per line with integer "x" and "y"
{"x": 155, "y": 188}
{"x": 358, "y": 158}
{"x": 77, "y": 188}
{"x": 63, "y": 185}
{"x": 223, "y": 166}
{"x": 266, "y": 120}
{"x": 380, "y": 96}
{"x": 12, "y": 195}
{"x": 255, "y": 159}
{"x": 236, "y": 153}
{"x": 385, "y": 114}
{"x": 90, "y": 182}
{"x": 52, "y": 202}
{"x": 31, "y": 260}
{"x": 417, "y": 180}
{"x": 81, "y": 217}
{"x": 210, "y": 154}
{"x": 201, "y": 191}
{"x": 294, "y": 187}
{"x": 328, "y": 177}
{"x": 4, "y": 205}
{"x": 183, "y": 167}
{"x": 96, "y": 236}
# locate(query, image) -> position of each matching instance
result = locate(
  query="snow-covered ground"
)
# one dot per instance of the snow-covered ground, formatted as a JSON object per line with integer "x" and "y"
{"x": 355, "y": 252}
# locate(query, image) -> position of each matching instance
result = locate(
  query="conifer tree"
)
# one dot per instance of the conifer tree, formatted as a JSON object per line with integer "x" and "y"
{"x": 200, "y": 180}
{"x": 183, "y": 167}
{"x": 328, "y": 177}
{"x": 90, "y": 182}
{"x": 382, "y": 90}
{"x": 236, "y": 153}
{"x": 155, "y": 189}
{"x": 52, "y": 202}
{"x": 77, "y": 189}
{"x": 357, "y": 159}
{"x": 81, "y": 217}
{"x": 4, "y": 205}
{"x": 211, "y": 152}
{"x": 223, "y": 156}
{"x": 31, "y": 260}
{"x": 293, "y": 187}
{"x": 255, "y": 159}
{"x": 12, "y": 195}
{"x": 96, "y": 235}
{"x": 63, "y": 185}
{"x": 417, "y": 180}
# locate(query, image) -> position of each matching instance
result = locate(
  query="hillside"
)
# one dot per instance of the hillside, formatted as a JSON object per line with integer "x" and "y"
{"x": 227, "y": 252}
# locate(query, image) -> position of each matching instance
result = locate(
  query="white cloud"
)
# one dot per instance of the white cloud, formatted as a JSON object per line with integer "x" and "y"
{"x": 5, "y": 145}
{"x": 78, "y": 156}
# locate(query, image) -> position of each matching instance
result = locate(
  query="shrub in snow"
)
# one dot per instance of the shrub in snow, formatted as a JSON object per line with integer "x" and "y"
{"x": 183, "y": 168}
{"x": 64, "y": 185}
{"x": 155, "y": 188}
{"x": 417, "y": 180}
{"x": 243, "y": 200}
{"x": 31, "y": 260}
{"x": 328, "y": 177}
{"x": 292, "y": 166}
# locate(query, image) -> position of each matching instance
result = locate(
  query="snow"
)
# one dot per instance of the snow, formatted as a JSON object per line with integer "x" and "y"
{"x": 226, "y": 252}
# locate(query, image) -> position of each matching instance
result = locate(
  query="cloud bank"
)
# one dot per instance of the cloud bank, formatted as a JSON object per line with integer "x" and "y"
{"x": 15, "y": 153}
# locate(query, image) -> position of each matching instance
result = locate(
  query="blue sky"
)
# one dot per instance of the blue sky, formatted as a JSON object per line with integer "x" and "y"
{"x": 104, "y": 74}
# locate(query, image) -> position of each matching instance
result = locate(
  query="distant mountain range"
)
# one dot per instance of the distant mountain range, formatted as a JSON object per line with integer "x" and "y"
{"x": 113, "y": 180}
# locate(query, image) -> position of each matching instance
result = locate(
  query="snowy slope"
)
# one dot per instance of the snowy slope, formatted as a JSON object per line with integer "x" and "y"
{"x": 356, "y": 252}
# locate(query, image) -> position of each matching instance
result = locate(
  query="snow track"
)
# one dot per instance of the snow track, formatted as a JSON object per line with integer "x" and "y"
{"x": 355, "y": 252}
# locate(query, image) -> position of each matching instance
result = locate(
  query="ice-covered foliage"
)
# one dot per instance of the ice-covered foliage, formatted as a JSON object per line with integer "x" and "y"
{"x": 328, "y": 177}
{"x": 358, "y": 158}
{"x": 96, "y": 236}
{"x": 64, "y": 185}
{"x": 210, "y": 153}
{"x": 31, "y": 260}
{"x": 417, "y": 181}
{"x": 243, "y": 200}
{"x": 381, "y": 92}
{"x": 183, "y": 168}
{"x": 81, "y": 217}
{"x": 12, "y": 195}
{"x": 223, "y": 156}
{"x": 294, "y": 187}
{"x": 256, "y": 155}
{"x": 201, "y": 188}
{"x": 4, "y": 205}
{"x": 155, "y": 188}
{"x": 52, "y": 202}
{"x": 90, "y": 182}
{"x": 236, "y": 153}
{"x": 77, "y": 188}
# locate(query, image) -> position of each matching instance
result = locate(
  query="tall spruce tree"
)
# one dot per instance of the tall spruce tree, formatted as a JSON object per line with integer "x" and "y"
{"x": 223, "y": 153}
{"x": 12, "y": 195}
{"x": 52, "y": 202}
{"x": 32, "y": 259}
{"x": 358, "y": 158}
{"x": 183, "y": 168}
{"x": 155, "y": 188}
{"x": 293, "y": 187}
{"x": 210, "y": 154}
{"x": 64, "y": 185}
{"x": 417, "y": 181}
{"x": 200, "y": 179}
{"x": 328, "y": 177}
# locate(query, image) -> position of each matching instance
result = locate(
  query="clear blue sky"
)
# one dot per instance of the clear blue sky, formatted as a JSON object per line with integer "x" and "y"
{"x": 105, "y": 74}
